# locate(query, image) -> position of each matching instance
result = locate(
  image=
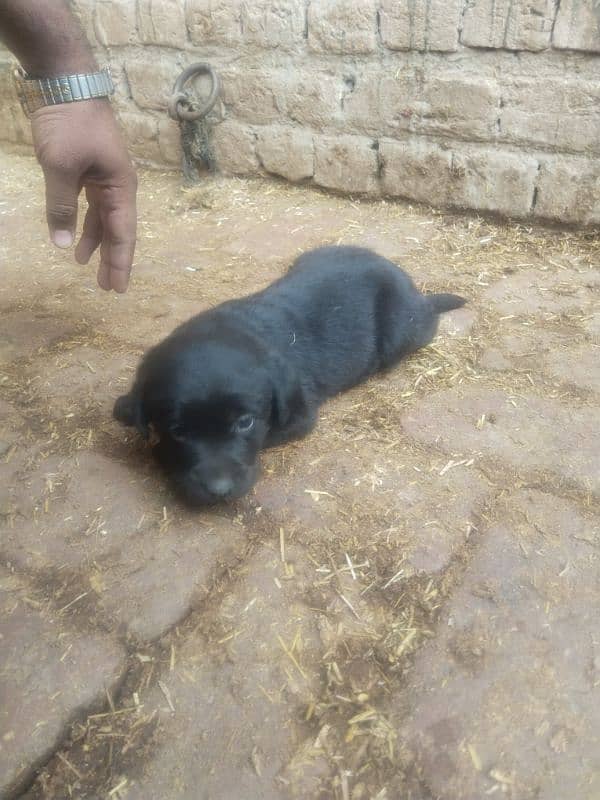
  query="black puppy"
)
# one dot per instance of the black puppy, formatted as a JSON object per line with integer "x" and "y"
{"x": 251, "y": 373}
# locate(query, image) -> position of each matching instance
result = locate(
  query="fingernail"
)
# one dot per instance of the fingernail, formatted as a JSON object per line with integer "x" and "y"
{"x": 62, "y": 238}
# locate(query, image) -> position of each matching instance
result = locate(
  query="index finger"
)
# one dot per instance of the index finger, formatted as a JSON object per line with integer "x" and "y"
{"x": 117, "y": 209}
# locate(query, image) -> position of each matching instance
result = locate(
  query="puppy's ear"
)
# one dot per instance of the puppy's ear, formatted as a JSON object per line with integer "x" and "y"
{"x": 291, "y": 415}
{"x": 129, "y": 411}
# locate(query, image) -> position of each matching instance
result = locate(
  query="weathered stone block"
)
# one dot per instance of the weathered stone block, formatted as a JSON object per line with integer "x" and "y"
{"x": 162, "y": 23}
{"x": 269, "y": 23}
{"x": 492, "y": 180}
{"x": 151, "y": 81}
{"x": 313, "y": 100}
{"x": 114, "y": 22}
{"x": 346, "y": 163}
{"x": 416, "y": 169}
{"x": 211, "y": 21}
{"x": 480, "y": 178}
{"x": 141, "y": 134}
{"x": 342, "y": 26}
{"x": 359, "y": 102}
{"x": 169, "y": 141}
{"x": 578, "y": 25}
{"x": 286, "y": 152}
{"x": 568, "y": 189}
{"x": 511, "y": 25}
{"x": 420, "y": 25}
{"x": 255, "y": 96}
{"x": 235, "y": 148}
{"x": 458, "y": 107}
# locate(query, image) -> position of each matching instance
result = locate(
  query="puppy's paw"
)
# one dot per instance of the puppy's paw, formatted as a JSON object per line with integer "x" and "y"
{"x": 124, "y": 410}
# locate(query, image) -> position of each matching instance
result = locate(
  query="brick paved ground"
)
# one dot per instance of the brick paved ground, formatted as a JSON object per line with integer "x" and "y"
{"x": 408, "y": 606}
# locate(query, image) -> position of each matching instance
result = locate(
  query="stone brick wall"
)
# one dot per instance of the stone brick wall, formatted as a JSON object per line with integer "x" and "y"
{"x": 492, "y": 105}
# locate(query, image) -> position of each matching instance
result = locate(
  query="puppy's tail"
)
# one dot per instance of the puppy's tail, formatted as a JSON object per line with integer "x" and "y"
{"x": 445, "y": 302}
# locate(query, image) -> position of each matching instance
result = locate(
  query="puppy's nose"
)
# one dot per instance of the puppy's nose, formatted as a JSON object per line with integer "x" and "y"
{"x": 220, "y": 486}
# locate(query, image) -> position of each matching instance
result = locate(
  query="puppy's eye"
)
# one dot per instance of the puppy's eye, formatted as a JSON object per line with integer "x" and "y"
{"x": 244, "y": 424}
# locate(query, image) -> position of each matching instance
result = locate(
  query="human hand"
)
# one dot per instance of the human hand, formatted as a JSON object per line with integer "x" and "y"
{"x": 79, "y": 145}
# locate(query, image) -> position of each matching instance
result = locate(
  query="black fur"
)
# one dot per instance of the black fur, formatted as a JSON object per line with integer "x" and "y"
{"x": 251, "y": 373}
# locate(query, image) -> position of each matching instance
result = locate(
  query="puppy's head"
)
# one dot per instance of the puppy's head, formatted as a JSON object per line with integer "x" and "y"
{"x": 210, "y": 405}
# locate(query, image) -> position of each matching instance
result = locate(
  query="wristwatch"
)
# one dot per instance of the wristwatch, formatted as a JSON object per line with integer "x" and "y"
{"x": 36, "y": 93}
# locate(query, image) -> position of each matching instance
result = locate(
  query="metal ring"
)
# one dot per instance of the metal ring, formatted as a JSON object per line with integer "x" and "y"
{"x": 179, "y": 98}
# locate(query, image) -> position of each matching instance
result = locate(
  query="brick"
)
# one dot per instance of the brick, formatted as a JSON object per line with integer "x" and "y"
{"x": 534, "y": 434}
{"x": 255, "y": 96}
{"x": 342, "y": 26}
{"x": 235, "y": 148}
{"x": 269, "y": 24}
{"x": 346, "y": 163}
{"x": 421, "y": 25}
{"x": 49, "y": 673}
{"x": 141, "y": 134}
{"x": 214, "y": 21}
{"x": 286, "y": 152}
{"x": 313, "y": 100}
{"x": 577, "y": 26}
{"x": 162, "y": 23}
{"x": 151, "y": 80}
{"x": 513, "y": 646}
{"x": 114, "y": 22}
{"x": 169, "y": 141}
{"x": 569, "y": 189}
{"x": 519, "y": 25}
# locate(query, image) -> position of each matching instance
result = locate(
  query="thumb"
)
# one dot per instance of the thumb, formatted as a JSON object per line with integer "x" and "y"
{"x": 62, "y": 191}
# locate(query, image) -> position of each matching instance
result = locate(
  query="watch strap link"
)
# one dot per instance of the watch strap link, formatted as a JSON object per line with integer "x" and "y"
{"x": 34, "y": 93}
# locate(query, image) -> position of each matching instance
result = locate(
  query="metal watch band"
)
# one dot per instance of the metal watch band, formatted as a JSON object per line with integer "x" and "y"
{"x": 36, "y": 93}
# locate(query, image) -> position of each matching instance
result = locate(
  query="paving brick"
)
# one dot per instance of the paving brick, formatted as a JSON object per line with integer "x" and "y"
{"x": 577, "y": 26}
{"x": 273, "y": 25}
{"x": 123, "y": 538}
{"x": 162, "y": 23}
{"x": 342, "y": 26}
{"x": 214, "y": 21}
{"x": 114, "y": 22}
{"x": 25, "y": 333}
{"x": 512, "y": 432}
{"x": 420, "y": 25}
{"x": 286, "y": 152}
{"x": 251, "y": 690}
{"x": 235, "y": 148}
{"x": 517, "y": 645}
{"x": 48, "y": 674}
{"x": 569, "y": 189}
{"x": 542, "y": 292}
{"x": 346, "y": 163}
{"x": 514, "y": 26}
